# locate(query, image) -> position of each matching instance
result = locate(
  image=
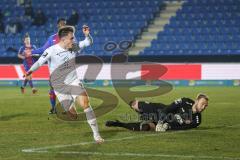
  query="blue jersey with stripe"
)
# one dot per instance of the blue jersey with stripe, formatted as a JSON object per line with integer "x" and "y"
{"x": 27, "y": 53}
{"x": 52, "y": 40}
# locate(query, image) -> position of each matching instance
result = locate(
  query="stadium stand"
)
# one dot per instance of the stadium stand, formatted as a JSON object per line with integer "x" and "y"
{"x": 109, "y": 20}
{"x": 206, "y": 27}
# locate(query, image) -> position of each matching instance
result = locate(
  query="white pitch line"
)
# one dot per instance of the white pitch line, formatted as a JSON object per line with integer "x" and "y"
{"x": 149, "y": 155}
{"x": 127, "y": 154}
{"x": 224, "y": 103}
{"x": 42, "y": 149}
{"x": 31, "y": 150}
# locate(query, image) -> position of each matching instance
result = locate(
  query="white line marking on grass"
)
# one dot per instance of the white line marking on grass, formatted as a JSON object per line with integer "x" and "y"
{"x": 45, "y": 149}
{"x": 32, "y": 150}
{"x": 127, "y": 154}
{"x": 148, "y": 155}
{"x": 82, "y": 143}
{"x": 225, "y": 103}
{"x": 236, "y": 125}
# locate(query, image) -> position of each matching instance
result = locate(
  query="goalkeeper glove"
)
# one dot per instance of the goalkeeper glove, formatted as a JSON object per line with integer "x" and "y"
{"x": 161, "y": 127}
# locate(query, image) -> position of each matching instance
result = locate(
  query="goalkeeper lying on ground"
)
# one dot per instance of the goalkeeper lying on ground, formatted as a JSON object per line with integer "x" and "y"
{"x": 182, "y": 114}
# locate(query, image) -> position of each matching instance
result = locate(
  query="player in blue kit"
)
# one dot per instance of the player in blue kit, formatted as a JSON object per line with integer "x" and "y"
{"x": 25, "y": 53}
{"x": 52, "y": 40}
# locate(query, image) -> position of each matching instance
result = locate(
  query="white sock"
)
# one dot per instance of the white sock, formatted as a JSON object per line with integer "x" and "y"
{"x": 91, "y": 119}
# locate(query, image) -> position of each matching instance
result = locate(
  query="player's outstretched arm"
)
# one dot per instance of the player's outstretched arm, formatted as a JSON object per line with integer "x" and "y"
{"x": 20, "y": 55}
{"x": 88, "y": 40}
{"x": 45, "y": 56}
{"x": 173, "y": 107}
{"x": 40, "y": 50}
{"x": 177, "y": 126}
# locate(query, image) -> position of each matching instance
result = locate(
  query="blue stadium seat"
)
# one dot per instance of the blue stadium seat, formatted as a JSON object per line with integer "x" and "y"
{"x": 203, "y": 27}
{"x": 109, "y": 20}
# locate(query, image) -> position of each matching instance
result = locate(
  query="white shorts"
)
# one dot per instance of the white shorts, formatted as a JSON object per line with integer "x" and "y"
{"x": 67, "y": 95}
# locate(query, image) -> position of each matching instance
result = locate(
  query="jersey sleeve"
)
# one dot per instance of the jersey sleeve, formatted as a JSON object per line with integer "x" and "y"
{"x": 176, "y": 126}
{"x": 34, "y": 47}
{"x": 44, "y": 58}
{"x": 86, "y": 42}
{"x": 173, "y": 107}
{"x": 196, "y": 121}
{"x": 20, "y": 51}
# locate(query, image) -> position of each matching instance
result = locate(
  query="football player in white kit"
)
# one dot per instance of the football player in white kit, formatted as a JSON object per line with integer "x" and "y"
{"x": 61, "y": 62}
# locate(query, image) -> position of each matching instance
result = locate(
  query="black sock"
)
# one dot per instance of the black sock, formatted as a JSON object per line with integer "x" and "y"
{"x": 134, "y": 126}
{"x": 137, "y": 126}
{"x": 131, "y": 126}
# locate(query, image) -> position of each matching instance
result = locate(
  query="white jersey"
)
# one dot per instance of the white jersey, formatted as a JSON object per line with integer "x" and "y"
{"x": 61, "y": 62}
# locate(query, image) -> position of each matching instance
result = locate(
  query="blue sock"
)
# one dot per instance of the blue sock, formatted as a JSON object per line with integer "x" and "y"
{"x": 31, "y": 84}
{"x": 25, "y": 83}
{"x": 52, "y": 97}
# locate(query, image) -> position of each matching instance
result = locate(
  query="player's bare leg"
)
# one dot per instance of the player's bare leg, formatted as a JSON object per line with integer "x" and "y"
{"x": 22, "y": 89}
{"x": 24, "y": 85}
{"x": 34, "y": 90}
{"x": 72, "y": 112}
{"x": 83, "y": 101}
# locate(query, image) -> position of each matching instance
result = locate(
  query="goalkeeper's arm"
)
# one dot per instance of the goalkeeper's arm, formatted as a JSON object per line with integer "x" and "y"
{"x": 162, "y": 127}
{"x": 177, "y": 126}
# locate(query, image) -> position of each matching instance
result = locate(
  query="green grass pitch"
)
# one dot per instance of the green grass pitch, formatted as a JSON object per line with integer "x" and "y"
{"x": 25, "y": 124}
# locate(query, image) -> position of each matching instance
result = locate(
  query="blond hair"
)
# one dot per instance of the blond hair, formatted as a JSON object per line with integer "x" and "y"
{"x": 202, "y": 95}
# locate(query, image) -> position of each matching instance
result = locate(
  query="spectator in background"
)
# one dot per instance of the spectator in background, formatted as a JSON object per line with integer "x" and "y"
{"x": 73, "y": 19}
{"x": 19, "y": 24}
{"x": 1, "y": 22}
{"x": 39, "y": 18}
{"x": 20, "y": 2}
{"x": 1, "y": 15}
{"x": 1, "y": 27}
{"x": 11, "y": 27}
{"x": 28, "y": 9}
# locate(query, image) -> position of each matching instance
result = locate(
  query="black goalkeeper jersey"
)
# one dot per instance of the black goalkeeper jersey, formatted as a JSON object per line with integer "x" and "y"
{"x": 178, "y": 114}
